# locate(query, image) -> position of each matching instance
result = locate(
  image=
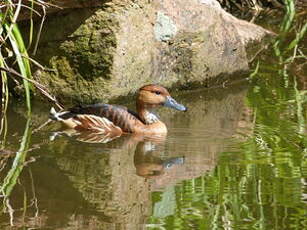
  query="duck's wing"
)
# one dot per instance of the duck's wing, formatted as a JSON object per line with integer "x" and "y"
{"x": 100, "y": 117}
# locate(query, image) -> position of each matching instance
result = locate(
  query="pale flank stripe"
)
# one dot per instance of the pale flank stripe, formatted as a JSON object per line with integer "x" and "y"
{"x": 100, "y": 124}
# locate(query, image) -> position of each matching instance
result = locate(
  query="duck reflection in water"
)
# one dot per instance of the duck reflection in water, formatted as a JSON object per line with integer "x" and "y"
{"x": 150, "y": 166}
{"x": 146, "y": 161}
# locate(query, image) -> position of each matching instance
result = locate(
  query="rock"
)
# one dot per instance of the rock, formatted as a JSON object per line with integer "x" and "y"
{"x": 212, "y": 3}
{"x": 110, "y": 51}
{"x": 164, "y": 29}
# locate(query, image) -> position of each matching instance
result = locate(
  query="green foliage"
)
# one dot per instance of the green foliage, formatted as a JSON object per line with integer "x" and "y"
{"x": 14, "y": 59}
{"x": 13, "y": 47}
{"x": 257, "y": 185}
{"x": 11, "y": 178}
{"x": 19, "y": 162}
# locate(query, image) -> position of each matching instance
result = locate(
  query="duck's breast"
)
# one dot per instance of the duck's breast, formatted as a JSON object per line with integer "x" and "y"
{"x": 155, "y": 128}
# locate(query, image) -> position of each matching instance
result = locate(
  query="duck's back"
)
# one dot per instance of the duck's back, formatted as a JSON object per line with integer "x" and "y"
{"x": 100, "y": 117}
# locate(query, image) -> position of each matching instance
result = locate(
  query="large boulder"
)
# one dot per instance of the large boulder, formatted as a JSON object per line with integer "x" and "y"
{"x": 111, "y": 50}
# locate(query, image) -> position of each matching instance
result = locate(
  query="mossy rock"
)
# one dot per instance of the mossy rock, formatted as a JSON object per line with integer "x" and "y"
{"x": 110, "y": 51}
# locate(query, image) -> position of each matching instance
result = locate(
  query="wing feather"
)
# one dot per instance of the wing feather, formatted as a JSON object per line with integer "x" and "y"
{"x": 104, "y": 116}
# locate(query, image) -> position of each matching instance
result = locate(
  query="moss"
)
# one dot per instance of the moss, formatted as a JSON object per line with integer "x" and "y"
{"x": 181, "y": 56}
{"x": 107, "y": 52}
{"x": 83, "y": 58}
{"x": 90, "y": 47}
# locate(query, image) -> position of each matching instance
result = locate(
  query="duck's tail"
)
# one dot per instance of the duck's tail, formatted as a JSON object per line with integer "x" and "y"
{"x": 57, "y": 116}
{"x": 53, "y": 114}
{"x": 88, "y": 122}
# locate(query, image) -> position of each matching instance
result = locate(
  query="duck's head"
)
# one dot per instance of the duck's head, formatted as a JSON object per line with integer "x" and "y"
{"x": 151, "y": 96}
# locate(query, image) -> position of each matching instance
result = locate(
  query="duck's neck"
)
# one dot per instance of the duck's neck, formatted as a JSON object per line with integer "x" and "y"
{"x": 145, "y": 114}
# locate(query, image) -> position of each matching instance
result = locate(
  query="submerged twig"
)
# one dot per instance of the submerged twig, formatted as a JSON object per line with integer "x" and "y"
{"x": 41, "y": 126}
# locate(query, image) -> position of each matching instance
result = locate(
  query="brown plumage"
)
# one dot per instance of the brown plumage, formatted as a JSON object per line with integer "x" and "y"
{"x": 105, "y": 118}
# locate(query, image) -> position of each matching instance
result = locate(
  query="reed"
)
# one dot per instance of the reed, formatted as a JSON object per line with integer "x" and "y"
{"x": 18, "y": 163}
{"x": 12, "y": 176}
{"x": 14, "y": 59}
{"x": 13, "y": 50}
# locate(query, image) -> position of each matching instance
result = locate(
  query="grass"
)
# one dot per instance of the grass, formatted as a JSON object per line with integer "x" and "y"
{"x": 15, "y": 63}
{"x": 251, "y": 9}
{"x": 13, "y": 47}
{"x": 14, "y": 58}
{"x": 12, "y": 176}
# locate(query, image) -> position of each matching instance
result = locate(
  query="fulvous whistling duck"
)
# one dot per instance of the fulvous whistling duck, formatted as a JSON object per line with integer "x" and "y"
{"x": 105, "y": 118}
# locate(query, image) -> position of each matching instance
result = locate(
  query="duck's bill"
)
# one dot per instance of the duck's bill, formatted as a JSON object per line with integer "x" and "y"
{"x": 172, "y": 103}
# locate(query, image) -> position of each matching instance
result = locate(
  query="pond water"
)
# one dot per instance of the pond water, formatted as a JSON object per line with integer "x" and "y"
{"x": 235, "y": 160}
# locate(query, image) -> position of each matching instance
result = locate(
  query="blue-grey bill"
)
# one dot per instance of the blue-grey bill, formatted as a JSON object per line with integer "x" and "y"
{"x": 173, "y": 161}
{"x": 172, "y": 103}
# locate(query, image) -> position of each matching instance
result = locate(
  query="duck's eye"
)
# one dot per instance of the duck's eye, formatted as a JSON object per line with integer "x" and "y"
{"x": 157, "y": 92}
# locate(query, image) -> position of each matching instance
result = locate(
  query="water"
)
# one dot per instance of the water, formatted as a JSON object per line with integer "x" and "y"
{"x": 235, "y": 160}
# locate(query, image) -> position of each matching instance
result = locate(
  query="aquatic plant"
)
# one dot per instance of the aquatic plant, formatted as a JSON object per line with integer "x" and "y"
{"x": 14, "y": 51}
{"x": 15, "y": 63}
{"x": 19, "y": 162}
{"x": 258, "y": 183}
{"x": 12, "y": 44}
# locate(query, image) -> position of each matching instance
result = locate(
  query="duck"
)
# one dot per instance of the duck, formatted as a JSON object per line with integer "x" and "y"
{"x": 117, "y": 119}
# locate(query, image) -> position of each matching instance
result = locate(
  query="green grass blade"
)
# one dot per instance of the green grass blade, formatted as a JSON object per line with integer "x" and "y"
{"x": 18, "y": 163}
{"x": 4, "y": 86}
{"x": 298, "y": 37}
{"x": 23, "y": 63}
